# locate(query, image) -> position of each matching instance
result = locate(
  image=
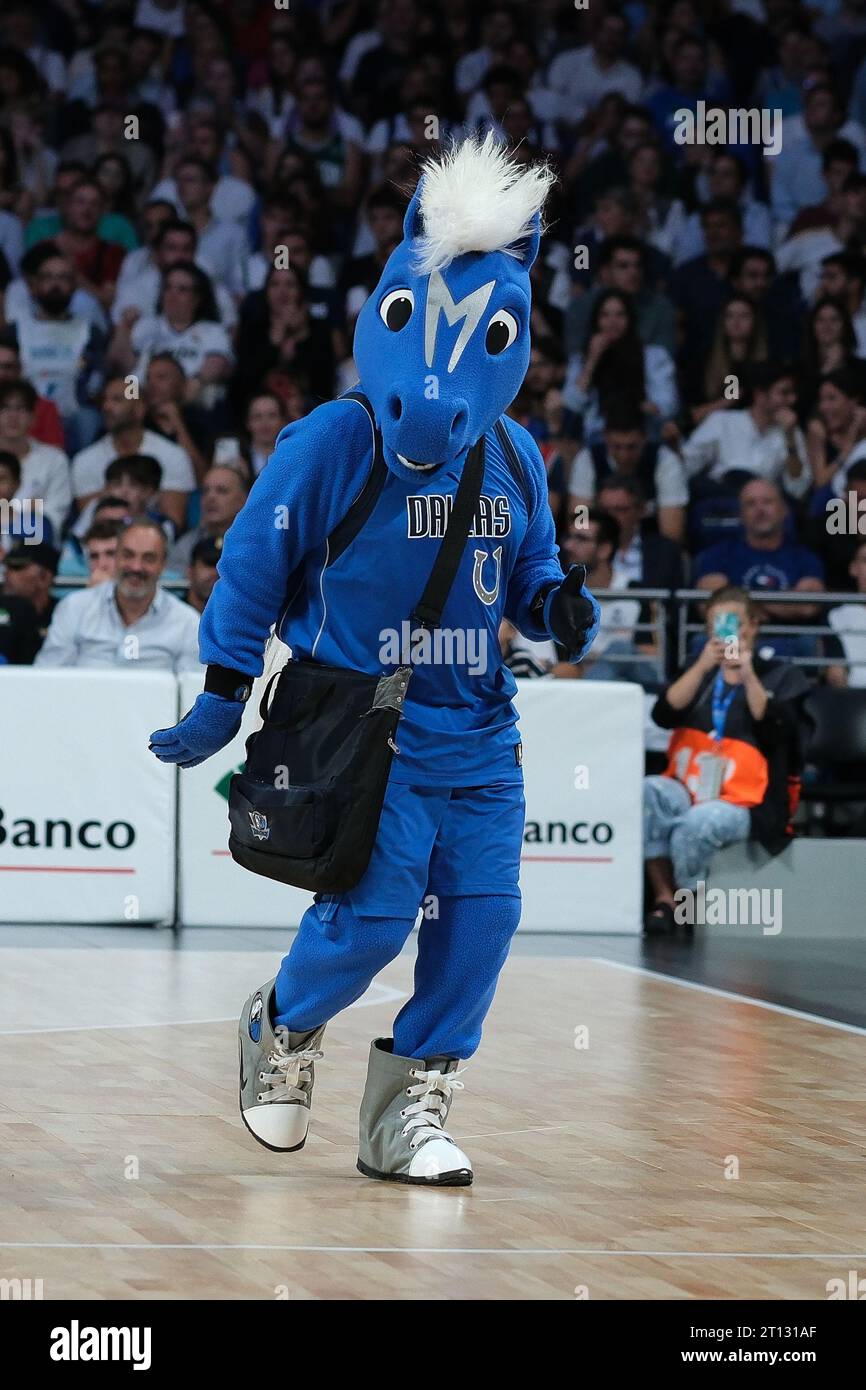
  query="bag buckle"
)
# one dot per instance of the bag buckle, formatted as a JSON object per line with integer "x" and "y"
{"x": 392, "y": 745}
{"x": 418, "y": 620}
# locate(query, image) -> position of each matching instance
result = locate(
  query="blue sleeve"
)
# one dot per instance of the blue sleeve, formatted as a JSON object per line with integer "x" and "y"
{"x": 317, "y": 469}
{"x": 537, "y": 560}
{"x": 713, "y": 560}
{"x": 810, "y": 565}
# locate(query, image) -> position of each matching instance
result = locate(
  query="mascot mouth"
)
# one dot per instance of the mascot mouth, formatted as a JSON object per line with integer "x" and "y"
{"x": 417, "y": 467}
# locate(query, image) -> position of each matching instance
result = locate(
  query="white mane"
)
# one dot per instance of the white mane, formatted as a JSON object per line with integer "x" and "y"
{"x": 475, "y": 198}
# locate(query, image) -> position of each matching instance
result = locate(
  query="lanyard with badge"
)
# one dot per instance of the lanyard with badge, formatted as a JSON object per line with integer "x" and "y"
{"x": 723, "y": 694}
{"x": 712, "y": 766}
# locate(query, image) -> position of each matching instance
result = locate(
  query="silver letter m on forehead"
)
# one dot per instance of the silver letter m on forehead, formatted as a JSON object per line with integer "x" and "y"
{"x": 468, "y": 309}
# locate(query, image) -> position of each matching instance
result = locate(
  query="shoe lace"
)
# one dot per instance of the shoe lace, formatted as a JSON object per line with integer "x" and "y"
{"x": 290, "y": 1077}
{"x": 424, "y": 1118}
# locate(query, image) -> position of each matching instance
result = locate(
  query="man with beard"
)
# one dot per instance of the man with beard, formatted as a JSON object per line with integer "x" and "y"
{"x": 129, "y": 622}
{"x": 62, "y": 354}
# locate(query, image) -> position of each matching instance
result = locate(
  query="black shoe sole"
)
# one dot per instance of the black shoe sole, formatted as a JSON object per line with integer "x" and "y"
{"x": 459, "y": 1177}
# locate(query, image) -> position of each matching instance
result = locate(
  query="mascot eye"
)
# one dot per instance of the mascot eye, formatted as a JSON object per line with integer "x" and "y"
{"x": 396, "y": 308}
{"x": 501, "y": 332}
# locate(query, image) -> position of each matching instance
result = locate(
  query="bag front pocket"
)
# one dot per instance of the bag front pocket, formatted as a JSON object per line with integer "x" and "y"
{"x": 294, "y": 821}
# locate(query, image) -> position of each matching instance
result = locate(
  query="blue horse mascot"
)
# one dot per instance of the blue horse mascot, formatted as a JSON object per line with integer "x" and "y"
{"x": 441, "y": 348}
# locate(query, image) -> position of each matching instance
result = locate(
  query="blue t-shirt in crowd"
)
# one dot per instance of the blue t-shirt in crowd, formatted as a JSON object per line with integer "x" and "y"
{"x": 770, "y": 570}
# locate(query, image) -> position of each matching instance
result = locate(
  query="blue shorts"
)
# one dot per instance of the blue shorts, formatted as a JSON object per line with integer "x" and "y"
{"x": 457, "y": 842}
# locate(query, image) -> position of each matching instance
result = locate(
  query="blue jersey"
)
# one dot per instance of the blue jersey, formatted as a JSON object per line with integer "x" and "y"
{"x": 458, "y": 727}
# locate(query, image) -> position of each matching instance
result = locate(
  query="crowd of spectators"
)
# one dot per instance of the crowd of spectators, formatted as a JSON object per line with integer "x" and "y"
{"x": 196, "y": 196}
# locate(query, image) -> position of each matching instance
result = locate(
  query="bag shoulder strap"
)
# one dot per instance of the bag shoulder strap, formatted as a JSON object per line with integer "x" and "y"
{"x": 361, "y": 509}
{"x": 428, "y": 611}
{"x": 514, "y": 461}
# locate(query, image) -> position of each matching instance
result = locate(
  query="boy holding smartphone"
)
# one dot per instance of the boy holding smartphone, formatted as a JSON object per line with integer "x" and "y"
{"x": 732, "y": 758}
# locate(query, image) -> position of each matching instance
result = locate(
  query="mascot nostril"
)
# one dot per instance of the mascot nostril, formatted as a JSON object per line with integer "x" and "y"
{"x": 459, "y": 423}
{"x": 389, "y": 535}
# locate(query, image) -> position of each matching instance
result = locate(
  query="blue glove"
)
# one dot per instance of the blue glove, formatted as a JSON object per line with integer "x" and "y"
{"x": 209, "y": 726}
{"x": 571, "y": 615}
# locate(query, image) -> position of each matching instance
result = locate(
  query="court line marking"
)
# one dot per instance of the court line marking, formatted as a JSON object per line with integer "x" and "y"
{"x": 729, "y": 994}
{"x": 387, "y": 995}
{"x": 442, "y": 1250}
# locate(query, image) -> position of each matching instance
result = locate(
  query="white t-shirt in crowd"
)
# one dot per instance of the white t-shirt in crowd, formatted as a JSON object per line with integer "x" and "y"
{"x": 52, "y": 357}
{"x": 730, "y": 439}
{"x": 848, "y": 621}
{"x": 581, "y": 83}
{"x": 45, "y": 476}
{"x": 672, "y": 489}
{"x": 89, "y": 465}
{"x": 189, "y": 346}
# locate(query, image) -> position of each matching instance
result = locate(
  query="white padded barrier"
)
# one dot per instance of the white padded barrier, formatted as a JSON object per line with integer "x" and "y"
{"x": 87, "y": 814}
{"x": 581, "y": 871}
{"x": 89, "y": 830}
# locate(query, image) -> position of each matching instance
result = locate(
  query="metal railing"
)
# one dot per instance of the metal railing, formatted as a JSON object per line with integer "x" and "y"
{"x": 653, "y": 631}
{"x": 684, "y": 598}
{"x": 668, "y": 628}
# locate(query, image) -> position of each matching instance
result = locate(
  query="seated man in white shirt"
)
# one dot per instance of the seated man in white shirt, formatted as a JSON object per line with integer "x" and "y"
{"x": 764, "y": 439}
{"x": 848, "y": 622}
{"x": 130, "y": 622}
{"x": 581, "y": 77}
{"x": 626, "y": 451}
{"x": 125, "y": 434}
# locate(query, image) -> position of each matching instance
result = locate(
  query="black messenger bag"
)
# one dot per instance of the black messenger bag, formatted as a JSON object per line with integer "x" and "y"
{"x": 306, "y": 808}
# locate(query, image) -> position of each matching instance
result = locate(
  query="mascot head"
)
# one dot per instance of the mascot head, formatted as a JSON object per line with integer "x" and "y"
{"x": 442, "y": 344}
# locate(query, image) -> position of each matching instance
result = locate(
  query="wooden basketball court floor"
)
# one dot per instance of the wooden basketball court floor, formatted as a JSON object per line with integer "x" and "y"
{"x": 694, "y": 1144}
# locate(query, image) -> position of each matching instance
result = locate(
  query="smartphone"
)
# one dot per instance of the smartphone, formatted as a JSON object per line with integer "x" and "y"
{"x": 726, "y": 626}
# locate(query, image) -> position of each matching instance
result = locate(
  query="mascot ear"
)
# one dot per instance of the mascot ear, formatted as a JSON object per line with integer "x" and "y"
{"x": 412, "y": 221}
{"x": 531, "y": 244}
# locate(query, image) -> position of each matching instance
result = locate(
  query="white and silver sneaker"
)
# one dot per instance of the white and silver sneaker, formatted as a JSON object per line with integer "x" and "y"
{"x": 401, "y": 1134}
{"x": 276, "y": 1075}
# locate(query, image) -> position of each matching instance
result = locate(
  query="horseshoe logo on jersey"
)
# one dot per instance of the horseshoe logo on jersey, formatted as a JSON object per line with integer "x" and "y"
{"x": 487, "y": 596}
